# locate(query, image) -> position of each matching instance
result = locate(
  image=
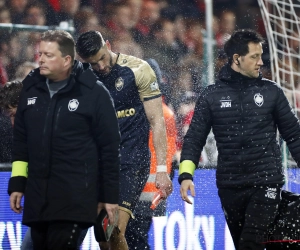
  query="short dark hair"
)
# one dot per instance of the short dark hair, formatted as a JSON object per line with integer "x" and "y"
{"x": 89, "y": 43}
{"x": 64, "y": 39}
{"x": 238, "y": 42}
{"x": 9, "y": 95}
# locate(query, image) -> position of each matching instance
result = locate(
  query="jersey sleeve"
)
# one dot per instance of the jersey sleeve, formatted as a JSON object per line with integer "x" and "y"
{"x": 146, "y": 82}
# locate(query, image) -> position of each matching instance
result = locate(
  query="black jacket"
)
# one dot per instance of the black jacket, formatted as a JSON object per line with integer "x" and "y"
{"x": 244, "y": 114}
{"x": 67, "y": 140}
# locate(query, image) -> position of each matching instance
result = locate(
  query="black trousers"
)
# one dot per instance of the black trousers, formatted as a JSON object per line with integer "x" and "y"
{"x": 249, "y": 212}
{"x": 56, "y": 235}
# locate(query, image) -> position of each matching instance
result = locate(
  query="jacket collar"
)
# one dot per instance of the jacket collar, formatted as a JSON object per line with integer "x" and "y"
{"x": 232, "y": 77}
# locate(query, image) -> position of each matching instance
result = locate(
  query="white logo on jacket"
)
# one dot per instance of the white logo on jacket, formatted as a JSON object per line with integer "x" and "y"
{"x": 73, "y": 104}
{"x": 258, "y": 99}
{"x": 225, "y": 102}
{"x": 31, "y": 101}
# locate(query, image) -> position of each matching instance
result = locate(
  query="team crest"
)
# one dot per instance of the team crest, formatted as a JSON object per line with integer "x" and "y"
{"x": 119, "y": 83}
{"x": 154, "y": 86}
{"x": 73, "y": 104}
{"x": 258, "y": 99}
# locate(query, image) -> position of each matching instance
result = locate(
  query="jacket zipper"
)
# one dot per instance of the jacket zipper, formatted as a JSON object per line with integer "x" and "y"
{"x": 47, "y": 161}
{"x": 49, "y": 123}
{"x": 86, "y": 173}
{"x": 45, "y": 149}
{"x": 242, "y": 124}
{"x": 56, "y": 119}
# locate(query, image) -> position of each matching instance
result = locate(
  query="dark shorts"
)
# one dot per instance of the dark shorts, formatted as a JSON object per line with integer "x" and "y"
{"x": 132, "y": 182}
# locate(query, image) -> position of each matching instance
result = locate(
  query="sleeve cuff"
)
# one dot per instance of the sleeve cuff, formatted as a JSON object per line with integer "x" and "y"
{"x": 184, "y": 176}
{"x": 187, "y": 166}
{"x": 16, "y": 184}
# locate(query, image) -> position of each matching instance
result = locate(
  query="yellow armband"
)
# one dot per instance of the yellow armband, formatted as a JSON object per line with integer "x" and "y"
{"x": 187, "y": 166}
{"x": 19, "y": 168}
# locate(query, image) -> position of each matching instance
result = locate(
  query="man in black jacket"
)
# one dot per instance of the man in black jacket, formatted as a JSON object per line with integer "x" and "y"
{"x": 65, "y": 147}
{"x": 244, "y": 111}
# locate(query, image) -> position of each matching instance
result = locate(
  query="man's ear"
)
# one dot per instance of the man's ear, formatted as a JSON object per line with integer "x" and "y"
{"x": 108, "y": 45}
{"x": 236, "y": 59}
{"x": 68, "y": 60}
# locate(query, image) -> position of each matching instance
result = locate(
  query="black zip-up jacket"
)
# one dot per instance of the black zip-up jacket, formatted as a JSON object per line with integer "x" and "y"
{"x": 67, "y": 141}
{"x": 244, "y": 114}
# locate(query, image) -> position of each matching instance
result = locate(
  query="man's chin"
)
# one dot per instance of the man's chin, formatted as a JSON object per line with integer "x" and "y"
{"x": 254, "y": 75}
{"x": 103, "y": 73}
{"x": 43, "y": 72}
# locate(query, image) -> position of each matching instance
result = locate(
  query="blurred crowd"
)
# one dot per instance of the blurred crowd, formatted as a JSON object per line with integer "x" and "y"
{"x": 170, "y": 31}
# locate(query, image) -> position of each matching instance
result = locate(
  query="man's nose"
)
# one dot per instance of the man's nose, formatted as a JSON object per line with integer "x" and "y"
{"x": 41, "y": 59}
{"x": 101, "y": 65}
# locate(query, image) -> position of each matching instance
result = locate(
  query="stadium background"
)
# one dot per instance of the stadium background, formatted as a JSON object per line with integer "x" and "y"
{"x": 125, "y": 23}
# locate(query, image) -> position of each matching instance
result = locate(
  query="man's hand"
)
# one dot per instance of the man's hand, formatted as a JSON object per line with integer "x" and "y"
{"x": 15, "y": 202}
{"x": 112, "y": 211}
{"x": 164, "y": 183}
{"x": 185, "y": 186}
